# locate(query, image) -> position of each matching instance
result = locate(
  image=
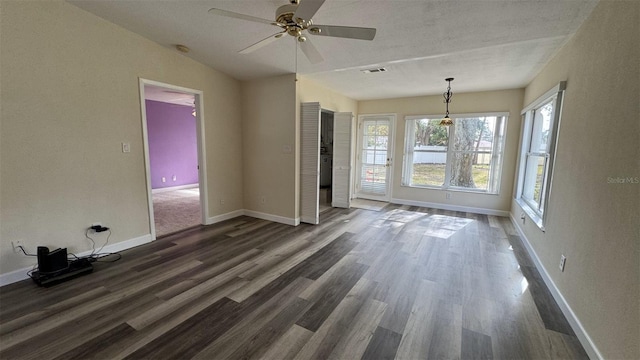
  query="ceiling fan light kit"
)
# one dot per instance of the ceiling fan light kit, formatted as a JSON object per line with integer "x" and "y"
{"x": 295, "y": 19}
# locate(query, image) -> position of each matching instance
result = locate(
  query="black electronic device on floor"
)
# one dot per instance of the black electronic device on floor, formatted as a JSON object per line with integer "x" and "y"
{"x": 54, "y": 267}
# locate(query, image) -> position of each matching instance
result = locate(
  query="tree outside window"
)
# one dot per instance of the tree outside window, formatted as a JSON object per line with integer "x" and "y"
{"x": 465, "y": 156}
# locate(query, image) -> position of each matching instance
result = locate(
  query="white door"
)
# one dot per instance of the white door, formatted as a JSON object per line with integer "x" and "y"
{"x": 341, "y": 196}
{"x": 310, "y": 163}
{"x": 375, "y": 156}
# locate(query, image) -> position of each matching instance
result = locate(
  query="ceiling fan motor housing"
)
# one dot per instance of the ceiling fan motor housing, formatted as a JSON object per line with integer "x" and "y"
{"x": 284, "y": 14}
{"x": 294, "y": 27}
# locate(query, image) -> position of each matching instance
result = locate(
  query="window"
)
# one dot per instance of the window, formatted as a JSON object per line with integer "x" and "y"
{"x": 541, "y": 120}
{"x": 466, "y": 156}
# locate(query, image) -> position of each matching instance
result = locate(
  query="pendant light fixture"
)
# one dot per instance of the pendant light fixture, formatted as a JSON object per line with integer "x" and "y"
{"x": 446, "y": 121}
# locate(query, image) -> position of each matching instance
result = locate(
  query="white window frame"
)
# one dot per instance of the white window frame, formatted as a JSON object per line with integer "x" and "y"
{"x": 497, "y": 153}
{"x": 538, "y": 211}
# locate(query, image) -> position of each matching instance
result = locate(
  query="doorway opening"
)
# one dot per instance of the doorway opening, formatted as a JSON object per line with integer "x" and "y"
{"x": 325, "y": 160}
{"x": 172, "y": 130}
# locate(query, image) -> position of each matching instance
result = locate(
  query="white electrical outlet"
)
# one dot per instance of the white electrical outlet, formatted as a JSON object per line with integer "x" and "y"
{"x": 221, "y": 201}
{"x": 15, "y": 244}
{"x": 447, "y": 195}
{"x": 563, "y": 260}
{"x": 164, "y": 179}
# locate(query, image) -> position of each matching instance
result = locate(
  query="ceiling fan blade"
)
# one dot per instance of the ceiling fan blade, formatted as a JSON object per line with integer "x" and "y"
{"x": 307, "y": 9}
{"x": 243, "y": 17}
{"x": 262, "y": 43}
{"x": 310, "y": 51}
{"x": 349, "y": 32}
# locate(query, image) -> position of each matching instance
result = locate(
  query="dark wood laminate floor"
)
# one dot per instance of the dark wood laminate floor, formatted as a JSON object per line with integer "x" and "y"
{"x": 403, "y": 283}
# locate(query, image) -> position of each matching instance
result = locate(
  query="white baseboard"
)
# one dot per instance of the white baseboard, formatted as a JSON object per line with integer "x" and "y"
{"x": 122, "y": 245}
{"x": 255, "y": 214}
{"x": 573, "y": 320}
{"x": 21, "y": 274}
{"x": 451, "y": 207}
{"x": 219, "y": 218}
{"x": 274, "y": 218}
{"x": 15, "y": 276}
{"x": 172, "y": 188}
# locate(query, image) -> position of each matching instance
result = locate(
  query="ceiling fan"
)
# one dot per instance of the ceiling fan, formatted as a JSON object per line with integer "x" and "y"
{"x": 295, "y": 19}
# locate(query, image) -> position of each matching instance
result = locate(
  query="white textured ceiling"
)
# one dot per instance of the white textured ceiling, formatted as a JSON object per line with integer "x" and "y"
{"x": 483, "y": 44}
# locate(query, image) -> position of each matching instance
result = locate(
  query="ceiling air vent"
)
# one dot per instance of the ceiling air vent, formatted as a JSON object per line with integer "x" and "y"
{"x": 376, "y": 70}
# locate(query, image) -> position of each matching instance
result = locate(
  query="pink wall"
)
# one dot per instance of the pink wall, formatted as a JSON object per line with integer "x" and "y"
{"x": 172, "y": 144}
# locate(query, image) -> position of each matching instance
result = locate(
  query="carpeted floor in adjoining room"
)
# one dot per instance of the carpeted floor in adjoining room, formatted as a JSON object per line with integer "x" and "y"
{"x": 176, "y": 210}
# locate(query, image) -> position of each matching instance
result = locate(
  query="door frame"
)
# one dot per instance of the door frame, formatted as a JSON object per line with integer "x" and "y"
{"x": 202, "y": 163}
{"x": 390, "y": 154}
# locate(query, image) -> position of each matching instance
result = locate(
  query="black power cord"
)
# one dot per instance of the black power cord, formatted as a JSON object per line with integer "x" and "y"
{"x": 93, "y": 257}
{"x": 96, "y": 256}
{"x": 24, "y": 251}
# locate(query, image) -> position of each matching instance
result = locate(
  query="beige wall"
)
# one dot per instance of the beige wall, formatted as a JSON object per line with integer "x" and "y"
{"x": 268, "y": 126}
{"x": 593, "y": 222}
{"x": 491, "y": 101}
{"x": 309, "y": 91}
{"x": 271, "y": 121}
{"x": 70, "y": 97}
